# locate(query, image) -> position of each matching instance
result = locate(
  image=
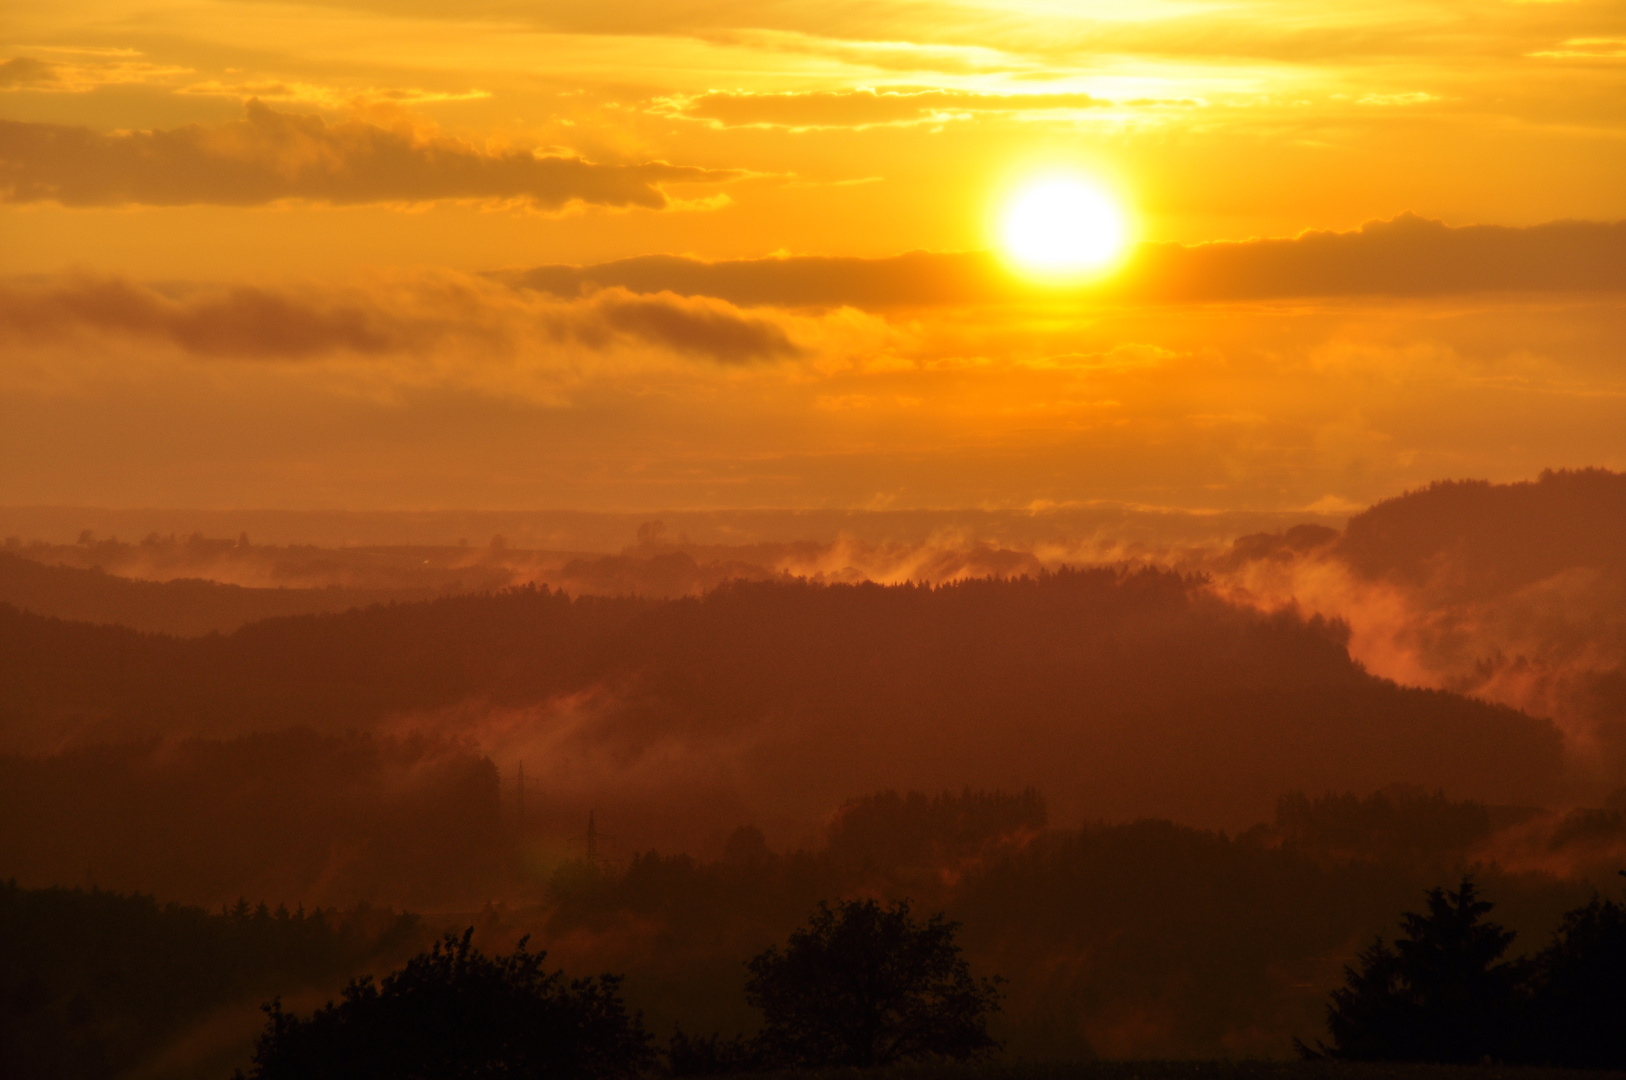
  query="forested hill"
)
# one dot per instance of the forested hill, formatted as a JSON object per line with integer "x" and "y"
{"x": 1115, "y": 693}
{"x": 1485, "y": 537}
{"x": 347, "y": 669}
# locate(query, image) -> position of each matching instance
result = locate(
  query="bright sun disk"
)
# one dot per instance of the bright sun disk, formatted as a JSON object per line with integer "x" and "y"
{"x": 1063, "y": 226}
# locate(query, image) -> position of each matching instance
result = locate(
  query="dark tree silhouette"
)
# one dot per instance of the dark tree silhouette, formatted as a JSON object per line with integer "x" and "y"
{"x": 864, "y": 985}
{"x": 1580, "y": 1006}
{"x": 454, "y": 1013}
{"x": 1370, "y": 1018}
{"x": 1440, "y": 994}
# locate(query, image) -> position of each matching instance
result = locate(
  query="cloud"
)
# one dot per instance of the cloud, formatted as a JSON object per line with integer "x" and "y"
{"x": 324, "y": 96}
{"x": 271, "y": 155}
{"x": 700, "y": 327}
{"x": 502, "y": 397}
{"x": 1066, "y": 41}
{"x": 26, "y": 72}
{"x": 863, "y": 107}
{"x": 1593, "y": 48}
{"x": 238, "y": 322}
{"x": 893, "y": 19}
{"x": 86, "y": 71}
{"x": 1407, "y": 256}
{"x": 414, "y": 316}
{"x": 915, "y": 278}
{"x": 93, "y": 69}
{"x": 960, "y": 52}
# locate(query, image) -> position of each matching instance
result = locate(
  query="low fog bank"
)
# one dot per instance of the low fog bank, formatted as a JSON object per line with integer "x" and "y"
{"x": 684, "y": 554}
{"x": 197, "y": 585}
{"x": 604, "y": 532}
{"x": 1511, "y": 593}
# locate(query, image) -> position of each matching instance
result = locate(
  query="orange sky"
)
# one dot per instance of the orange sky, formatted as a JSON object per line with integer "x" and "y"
{"x": 247, "y": 252}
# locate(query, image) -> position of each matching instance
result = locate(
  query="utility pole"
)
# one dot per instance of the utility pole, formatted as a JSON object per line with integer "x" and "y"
{"x": 521, "y": 792}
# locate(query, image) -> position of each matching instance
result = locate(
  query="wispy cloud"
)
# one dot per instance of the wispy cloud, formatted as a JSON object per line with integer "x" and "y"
{"x": 1587, "y": 48}
{"x": 270, "y": 156}
{"x": 863, "y": 108}
{"x": 86, "y": 71}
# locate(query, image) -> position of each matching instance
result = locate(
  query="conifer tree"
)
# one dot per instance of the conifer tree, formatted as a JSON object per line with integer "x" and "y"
{"x": 1441, "y": 994}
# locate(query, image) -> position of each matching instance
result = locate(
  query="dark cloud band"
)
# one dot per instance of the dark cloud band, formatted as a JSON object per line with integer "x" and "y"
{"x": 1408, "y": 256}
{"x": 256, "y": 323}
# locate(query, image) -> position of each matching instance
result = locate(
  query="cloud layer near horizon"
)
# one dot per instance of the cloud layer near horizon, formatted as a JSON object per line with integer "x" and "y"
{"x": 439, "y": 388}
{"x": 410, "y": 316}
{"x": 1407, "y": 256}
{"x": 270, "y": 156}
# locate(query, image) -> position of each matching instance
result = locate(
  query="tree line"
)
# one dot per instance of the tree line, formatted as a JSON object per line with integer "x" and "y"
{"x": 1444, "y": 992}
{"x": 1213, "y": 942}
{"x": 863, "y": 985}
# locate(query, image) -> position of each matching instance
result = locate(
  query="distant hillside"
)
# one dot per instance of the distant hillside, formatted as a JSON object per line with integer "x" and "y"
{"x": 1493, "y": 537}
{"x": 1513, "y": 593}
{"x": 1115, "y": 694}
{"x": 186, "y": 607}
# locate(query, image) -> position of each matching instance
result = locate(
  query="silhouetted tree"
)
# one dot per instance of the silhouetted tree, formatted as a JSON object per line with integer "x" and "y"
{"x": 1580, "y": 1005}
{"x": 864, "y": 985}
{"x": 1440, "y": 994}
{"x": 455, "y": 1013}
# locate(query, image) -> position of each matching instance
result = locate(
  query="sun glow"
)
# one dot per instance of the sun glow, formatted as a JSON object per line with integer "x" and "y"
{"x": 1063, "y": 227}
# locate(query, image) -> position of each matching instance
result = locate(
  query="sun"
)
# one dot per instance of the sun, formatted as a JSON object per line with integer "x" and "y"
{"x": 1063, "y": 227}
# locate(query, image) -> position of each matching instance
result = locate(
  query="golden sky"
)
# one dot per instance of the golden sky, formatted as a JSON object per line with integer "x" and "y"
{"x": 352, "y": 253}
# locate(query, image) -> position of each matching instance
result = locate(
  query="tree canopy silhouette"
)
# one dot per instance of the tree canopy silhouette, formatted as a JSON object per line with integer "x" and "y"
{"x": 455, "y": 1013}
{"x": 1440, "y": 994}
{"x": 1580, "y": 1003}
{"x": 864, "y": 985}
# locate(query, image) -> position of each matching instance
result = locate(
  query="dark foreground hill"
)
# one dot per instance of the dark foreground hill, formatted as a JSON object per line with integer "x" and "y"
{"x": 1114, "y": 693}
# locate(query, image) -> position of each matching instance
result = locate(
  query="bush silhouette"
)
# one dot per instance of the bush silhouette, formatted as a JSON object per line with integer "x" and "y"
{"x": 863, "y": 986}
{"x": 1440, "y": 994}
{"x": 454, "y": 1013}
